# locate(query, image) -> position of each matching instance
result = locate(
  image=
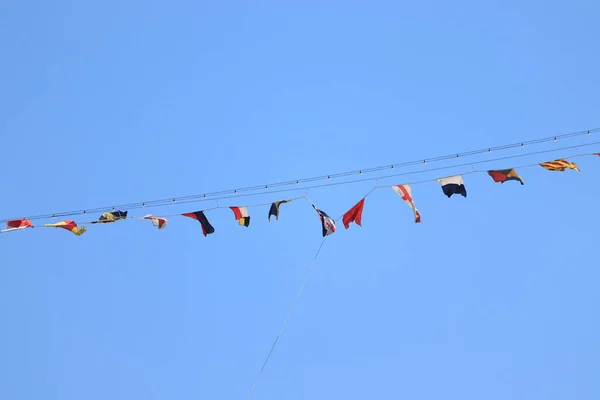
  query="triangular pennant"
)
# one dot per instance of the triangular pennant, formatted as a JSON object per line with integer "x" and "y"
{"x": 559, "y": 165}
{"x": 69, "y": 225}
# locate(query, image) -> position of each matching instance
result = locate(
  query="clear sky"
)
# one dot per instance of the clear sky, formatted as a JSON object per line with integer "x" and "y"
{"x": 491, "y": 297}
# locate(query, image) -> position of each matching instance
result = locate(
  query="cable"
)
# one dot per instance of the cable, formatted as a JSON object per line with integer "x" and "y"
{"x": 472, "y": 164}
{"x": 409, "y": 173}
{"x": 287, "y": 317}
{"x": 227, "y": 194}
{"x": 143, "y": 205}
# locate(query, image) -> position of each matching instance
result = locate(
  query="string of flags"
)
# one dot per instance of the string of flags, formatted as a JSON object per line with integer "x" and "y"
{"x": 451, "y": 185}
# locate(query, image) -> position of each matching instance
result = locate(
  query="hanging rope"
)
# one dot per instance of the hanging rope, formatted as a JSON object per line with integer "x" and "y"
{"x": 287, "y": 317}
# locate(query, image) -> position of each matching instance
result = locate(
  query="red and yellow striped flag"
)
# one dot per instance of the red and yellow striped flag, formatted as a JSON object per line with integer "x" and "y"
{"x": 560, "y": 165}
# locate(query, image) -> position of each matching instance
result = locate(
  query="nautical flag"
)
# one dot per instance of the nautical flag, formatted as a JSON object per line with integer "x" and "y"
{"x": 241, "y": 214}
{"x": 158, "y": 222}
{"x": 405, "y": 193}
{"x": 354, "y": 214}
{"x": 503, "y": 175}
{"x": 199, "y": 216}
{"x": 453, "y": 185}
{"x": 560, "y": 165}
{"x": 113, "y": 216}
{"x": 274, "y": 210}
{"x": 17, "y": 224}
{"x": 68, "y": 225}
{"x": 326, "y": 222}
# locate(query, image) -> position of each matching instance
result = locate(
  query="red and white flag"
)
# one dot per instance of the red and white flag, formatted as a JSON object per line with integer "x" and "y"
{"x": 17, "y": 224}
{"x": 241, "y": 215}
{"x": 157, "y": 221}
{"x": 405, "y": 193}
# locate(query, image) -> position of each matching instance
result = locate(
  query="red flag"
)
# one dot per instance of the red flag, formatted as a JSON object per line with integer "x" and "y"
{"x": 354, "y": 214}
{"x": 17, "y": 224}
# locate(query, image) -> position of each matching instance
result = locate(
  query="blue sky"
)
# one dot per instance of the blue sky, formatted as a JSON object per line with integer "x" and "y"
{"x": 493, "y": 296}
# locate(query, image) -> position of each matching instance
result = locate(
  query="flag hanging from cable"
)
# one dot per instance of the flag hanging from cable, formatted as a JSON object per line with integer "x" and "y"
{"x": 354, "y": 214}
{"x": 503, "y": 175}
{"x": 112, "y": 216}
{"x": 69, "y": 225}
{"x": 199, "y": 216}
{"x": 241, "y": 215}
{"x": 453, "y": 185}
{"x": 158, "y": 222}
{"x": 326, "y": 222}
{"x": 17, "y": 224}
{"x": 560, "y": 165}
{"x": 405, "y": 193}
{"x": 274, "y": 210}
